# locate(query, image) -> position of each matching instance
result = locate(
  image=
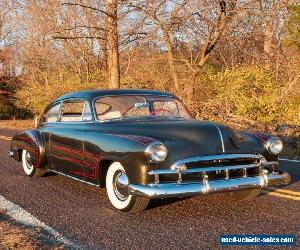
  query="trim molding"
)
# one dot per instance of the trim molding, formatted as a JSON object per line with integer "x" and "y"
{"x": 74, "y": 178}
{"x": 221, "y": 136}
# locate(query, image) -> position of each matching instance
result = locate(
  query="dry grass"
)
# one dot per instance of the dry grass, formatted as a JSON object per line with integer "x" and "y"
{"x": 17, "y": 124}
{"x": 13, "y": 236}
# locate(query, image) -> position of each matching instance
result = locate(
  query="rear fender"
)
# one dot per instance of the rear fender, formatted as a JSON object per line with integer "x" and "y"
{"x": 32, "y": 141}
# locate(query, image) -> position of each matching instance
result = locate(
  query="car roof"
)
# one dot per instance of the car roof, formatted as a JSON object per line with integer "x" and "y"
{"x": 92, "y": 94}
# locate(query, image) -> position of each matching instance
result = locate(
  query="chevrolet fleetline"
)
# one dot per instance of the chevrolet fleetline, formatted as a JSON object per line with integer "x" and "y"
{"x": 143, "y": 144}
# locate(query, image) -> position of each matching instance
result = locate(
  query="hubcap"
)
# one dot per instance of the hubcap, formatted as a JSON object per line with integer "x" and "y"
{"x": 28, "y": 159}
{"x": 121, "y": 183}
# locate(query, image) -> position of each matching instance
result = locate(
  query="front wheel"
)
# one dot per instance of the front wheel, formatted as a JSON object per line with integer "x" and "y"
{"x": 28, "y": 166}
{"x": 117, "y": 190}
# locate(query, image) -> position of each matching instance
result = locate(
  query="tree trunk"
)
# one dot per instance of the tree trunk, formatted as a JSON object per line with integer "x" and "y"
{"x": 113, "y": 49}
{"x": 268, "y": 39}
{"x": 103, "y": 45}
{"x": 171, "y": 61}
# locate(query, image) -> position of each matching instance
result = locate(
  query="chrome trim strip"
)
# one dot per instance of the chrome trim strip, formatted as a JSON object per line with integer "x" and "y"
{"x": 166, "y": 190}
{"x": 216, "y": 157}
{"x": 212, "y": 169}
{"x": 270, "y": 163}
{"x": 207, "y": 169}
{"x": 74, "y": 178}
{"x": 226, "y": 174}
{"x": 221, "y": 136}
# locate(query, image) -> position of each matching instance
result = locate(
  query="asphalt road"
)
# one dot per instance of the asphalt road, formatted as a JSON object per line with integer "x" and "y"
{"x": 83, "y": 214}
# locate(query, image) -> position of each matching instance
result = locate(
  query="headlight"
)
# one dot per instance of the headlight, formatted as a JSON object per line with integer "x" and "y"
{"x": 274, "y": 145}
{"x": 157, "y": 152}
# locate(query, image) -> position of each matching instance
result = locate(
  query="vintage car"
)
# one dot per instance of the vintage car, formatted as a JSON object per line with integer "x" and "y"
{"x": 143, "y": 144}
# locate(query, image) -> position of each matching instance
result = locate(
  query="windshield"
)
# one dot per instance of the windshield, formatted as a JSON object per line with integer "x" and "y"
{"x": 138, "y": 106}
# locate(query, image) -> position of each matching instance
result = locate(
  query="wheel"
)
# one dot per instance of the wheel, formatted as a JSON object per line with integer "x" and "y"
{"x": 246, "y": 195}
{"x": 117, "y": 190}
{"x": 28, "y": 167}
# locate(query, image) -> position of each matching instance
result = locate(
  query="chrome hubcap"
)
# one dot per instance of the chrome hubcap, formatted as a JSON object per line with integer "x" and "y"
{"x": 121, "y": 183}
{"x": 28, "y": 159}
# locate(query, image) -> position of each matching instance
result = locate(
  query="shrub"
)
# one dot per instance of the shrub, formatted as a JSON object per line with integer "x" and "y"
{"x": 251, "y": 92}
{"x": 35, "y": 96}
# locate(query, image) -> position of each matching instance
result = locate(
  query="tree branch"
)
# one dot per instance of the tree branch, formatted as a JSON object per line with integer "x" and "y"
{"x": 77, "y": 37}
{"x": 84, "y": 26}
{"x": 88, "y": 7}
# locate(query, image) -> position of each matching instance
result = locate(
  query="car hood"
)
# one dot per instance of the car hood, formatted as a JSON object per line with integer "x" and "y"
{"x": 187, "y": 138}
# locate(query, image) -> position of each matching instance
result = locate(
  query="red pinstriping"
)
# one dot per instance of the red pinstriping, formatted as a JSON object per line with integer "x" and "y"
{"x": 92, "y": 177}
{"x": 84, "y": 163}
{"x": 36, "y": 149}
{"x": 30, "y": 149}
{"x": 23, "y": 138}
{"x": 140, "y": 139}
{"x": 262, "y": 137}
{"x": 75, "y": 151}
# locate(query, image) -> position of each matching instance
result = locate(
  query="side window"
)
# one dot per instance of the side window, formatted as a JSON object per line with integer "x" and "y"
{"x": 72, "y": 111}
{"x": 104, "y": 111}
{"x": 52, "y": 114}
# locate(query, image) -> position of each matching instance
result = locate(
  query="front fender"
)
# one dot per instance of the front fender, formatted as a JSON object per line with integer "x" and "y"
{"x": 127, "y": 149}
{"x": 30, "y": 140}
{"x": 260, "y": 139}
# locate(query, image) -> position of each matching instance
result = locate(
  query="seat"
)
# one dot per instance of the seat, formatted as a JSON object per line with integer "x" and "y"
{"x": 110, "y": 115}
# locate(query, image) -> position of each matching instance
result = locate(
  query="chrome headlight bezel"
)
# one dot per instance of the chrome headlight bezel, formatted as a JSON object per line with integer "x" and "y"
{"x": 274, "y": 145}
{"x": 156, "y": 152}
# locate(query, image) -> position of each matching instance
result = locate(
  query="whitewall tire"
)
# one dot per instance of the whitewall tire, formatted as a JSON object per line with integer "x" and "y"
{"x": 117, "y": 190}
{"x": 28, "y": 166}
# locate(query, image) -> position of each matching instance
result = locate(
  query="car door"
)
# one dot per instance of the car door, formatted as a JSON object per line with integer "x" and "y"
{"x": 67, "y": 138}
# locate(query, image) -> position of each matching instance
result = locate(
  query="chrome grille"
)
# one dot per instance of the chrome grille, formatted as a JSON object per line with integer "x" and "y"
{"x": 215, "y": 167}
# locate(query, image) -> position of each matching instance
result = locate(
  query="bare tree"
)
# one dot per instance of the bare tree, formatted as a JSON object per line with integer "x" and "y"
{"x": 167, "y": 19}
{"x": 108, "y": 39}
{"x": 112, "y": 42}
{"x": 182, "y": 22}
{"x": 271, "y": 14}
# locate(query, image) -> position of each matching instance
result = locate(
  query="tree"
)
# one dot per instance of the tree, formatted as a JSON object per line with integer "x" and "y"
{"x": 107, "y": 38}
{"x": 113, "y": 45}
{"x": 293, "y": 27}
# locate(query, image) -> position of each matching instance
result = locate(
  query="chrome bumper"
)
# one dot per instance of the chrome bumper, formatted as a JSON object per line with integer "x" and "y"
{"x": 166, "y": 190}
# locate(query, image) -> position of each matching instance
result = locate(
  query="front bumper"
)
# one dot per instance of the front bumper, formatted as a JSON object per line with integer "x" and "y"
{"x": 167, "y": 190}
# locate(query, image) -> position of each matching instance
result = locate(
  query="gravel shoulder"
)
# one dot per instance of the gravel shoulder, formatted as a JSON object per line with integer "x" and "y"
{"x": 14, "y": 235}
